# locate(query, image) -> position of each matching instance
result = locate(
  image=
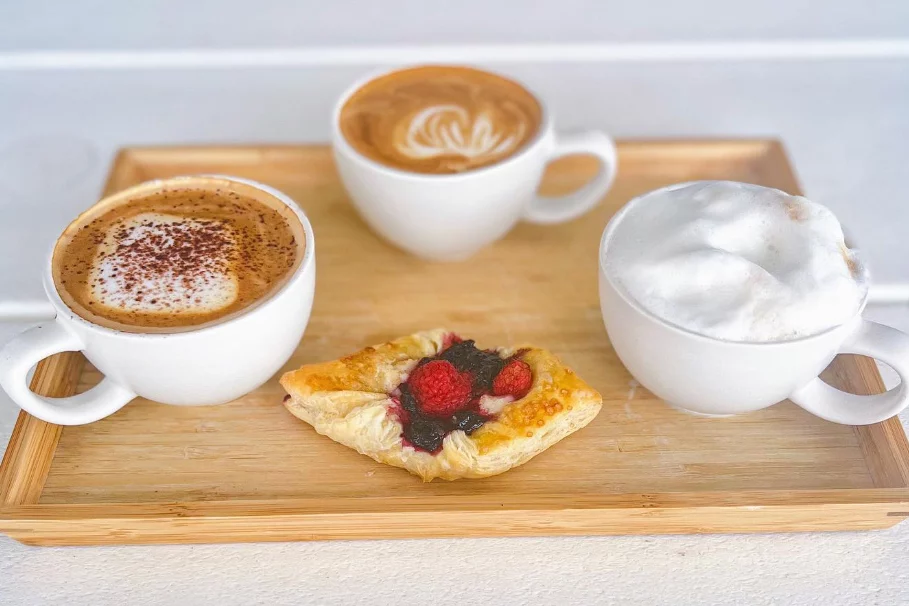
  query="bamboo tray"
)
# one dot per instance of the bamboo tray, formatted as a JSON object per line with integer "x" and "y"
{"x": 249, "y": 471}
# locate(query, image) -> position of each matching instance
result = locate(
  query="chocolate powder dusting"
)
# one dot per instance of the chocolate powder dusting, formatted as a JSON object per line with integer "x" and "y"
{"x": 851, "y": 264}
{"x": 795, "y": 210}
{"x": 192, "y": 250}
{"x": 224, "y": 233}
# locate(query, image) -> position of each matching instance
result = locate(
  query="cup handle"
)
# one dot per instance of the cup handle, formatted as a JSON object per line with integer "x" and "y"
{"x": 32, "y": 346}
{"x": 868, "y": 339}
{"x": 547, "y": 209}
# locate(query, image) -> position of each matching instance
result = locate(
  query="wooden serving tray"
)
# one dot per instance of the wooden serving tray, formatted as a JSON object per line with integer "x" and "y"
{"x": 249, "y": 471}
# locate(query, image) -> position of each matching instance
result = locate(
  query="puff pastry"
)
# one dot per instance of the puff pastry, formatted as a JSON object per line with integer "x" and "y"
{"x": 357, "y": 401}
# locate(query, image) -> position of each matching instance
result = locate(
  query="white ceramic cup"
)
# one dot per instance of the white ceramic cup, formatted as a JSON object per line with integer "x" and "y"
{"x": 210, "y": 365}
{"x": 708, "y": 376}
{"x": 450, "y": 217}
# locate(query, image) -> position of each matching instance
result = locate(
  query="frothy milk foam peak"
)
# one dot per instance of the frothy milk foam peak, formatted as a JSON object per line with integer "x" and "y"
{"x": 736, "y": 262}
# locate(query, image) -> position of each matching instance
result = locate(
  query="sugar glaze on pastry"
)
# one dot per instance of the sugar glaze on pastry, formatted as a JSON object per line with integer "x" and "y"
{"x": 439, "y": 407}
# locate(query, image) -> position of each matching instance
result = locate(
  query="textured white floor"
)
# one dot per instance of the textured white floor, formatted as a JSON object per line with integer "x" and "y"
{"x": 826, "y": 569}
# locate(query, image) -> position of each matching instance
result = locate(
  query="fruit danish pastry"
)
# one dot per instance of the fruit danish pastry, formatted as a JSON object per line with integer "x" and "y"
{"x": 440, "y": 407}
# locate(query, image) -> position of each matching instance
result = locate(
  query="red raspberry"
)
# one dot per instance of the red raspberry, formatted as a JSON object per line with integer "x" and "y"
{"x": 440, "y": 390}
{"x": 513, "y": 380}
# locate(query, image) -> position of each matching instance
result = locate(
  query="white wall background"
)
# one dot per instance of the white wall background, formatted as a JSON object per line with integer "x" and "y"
{"x": 180, "y": 24}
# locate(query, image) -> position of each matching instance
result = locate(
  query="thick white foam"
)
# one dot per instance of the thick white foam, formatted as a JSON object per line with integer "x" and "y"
{"x": 736, "y": 262}
{"x": 447, "y": 130}
{"x": 126, "y": 276}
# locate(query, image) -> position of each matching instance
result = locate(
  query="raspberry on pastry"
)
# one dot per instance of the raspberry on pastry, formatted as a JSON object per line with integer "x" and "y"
{"x": 440, "y": 407}
{"x": 514, "y": 380}
{"x": 439, "y": 389}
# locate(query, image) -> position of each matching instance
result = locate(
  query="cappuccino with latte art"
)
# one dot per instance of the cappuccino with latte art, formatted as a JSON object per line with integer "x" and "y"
{"x": 440, "y": 120}
{"x": 443, "y": 160}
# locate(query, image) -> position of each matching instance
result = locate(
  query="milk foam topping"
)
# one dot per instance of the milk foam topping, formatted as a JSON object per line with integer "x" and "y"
{"x": 439, "y": 120}
{"x": 450, "y": 130}
{"x": 164, "y": 264}
{"x": 736, "y": 262}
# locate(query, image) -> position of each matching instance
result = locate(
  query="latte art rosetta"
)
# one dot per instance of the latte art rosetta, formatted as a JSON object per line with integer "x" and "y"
{"x": 439, "y": 120}
{"x": 449, "y": 130}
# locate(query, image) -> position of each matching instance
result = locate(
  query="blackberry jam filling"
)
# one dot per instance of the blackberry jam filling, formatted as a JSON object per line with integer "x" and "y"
{"x": 443, "y": 392}
{"x": 425, "y": 433}
{"x": 468, "y": 421}
{"x": 482, "y": 365}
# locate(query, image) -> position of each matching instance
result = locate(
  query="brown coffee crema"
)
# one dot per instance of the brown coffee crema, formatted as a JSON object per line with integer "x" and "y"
{"x": 440, "y": 120}
{"x": 176, "y": 255}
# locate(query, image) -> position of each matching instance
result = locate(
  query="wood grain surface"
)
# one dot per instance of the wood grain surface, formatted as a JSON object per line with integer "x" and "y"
{"x": 248, "y": 470}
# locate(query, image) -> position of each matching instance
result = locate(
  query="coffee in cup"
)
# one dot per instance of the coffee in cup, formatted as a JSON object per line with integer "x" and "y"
{"x": 443, "y": 160}
{"x": 185, "y": 291}
{"x": 177, "y": 257}
{"x": 440, "y": 119}
{"x": 737, "y": 262}
{"x": 723, "y": 298}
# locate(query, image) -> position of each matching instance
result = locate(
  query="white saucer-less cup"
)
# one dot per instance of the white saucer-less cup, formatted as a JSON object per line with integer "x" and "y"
{"x": 707, "y": 376}
{"x": 210, "y": 365}
{"x": 450, "y": 217}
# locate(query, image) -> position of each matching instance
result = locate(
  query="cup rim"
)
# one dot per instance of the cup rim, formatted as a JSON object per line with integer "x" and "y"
{"x": 61, "y": 307}
{"x": 340, "y": 143}
{"x": 610, "y": 229}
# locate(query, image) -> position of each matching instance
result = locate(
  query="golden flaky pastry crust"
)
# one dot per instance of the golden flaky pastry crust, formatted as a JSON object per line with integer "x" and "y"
{"x": 347, "y": 400}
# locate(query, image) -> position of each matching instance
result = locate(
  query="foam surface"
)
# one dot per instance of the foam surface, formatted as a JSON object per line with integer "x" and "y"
{"x": 450, "y": 130}
{"x": 736, "y": 262}
{"x": 163, "y": 264}
{"x": 439, "y": 119}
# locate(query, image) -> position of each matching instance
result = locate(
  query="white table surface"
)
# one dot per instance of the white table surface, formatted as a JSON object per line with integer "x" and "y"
{"x": 108, "y": 109}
